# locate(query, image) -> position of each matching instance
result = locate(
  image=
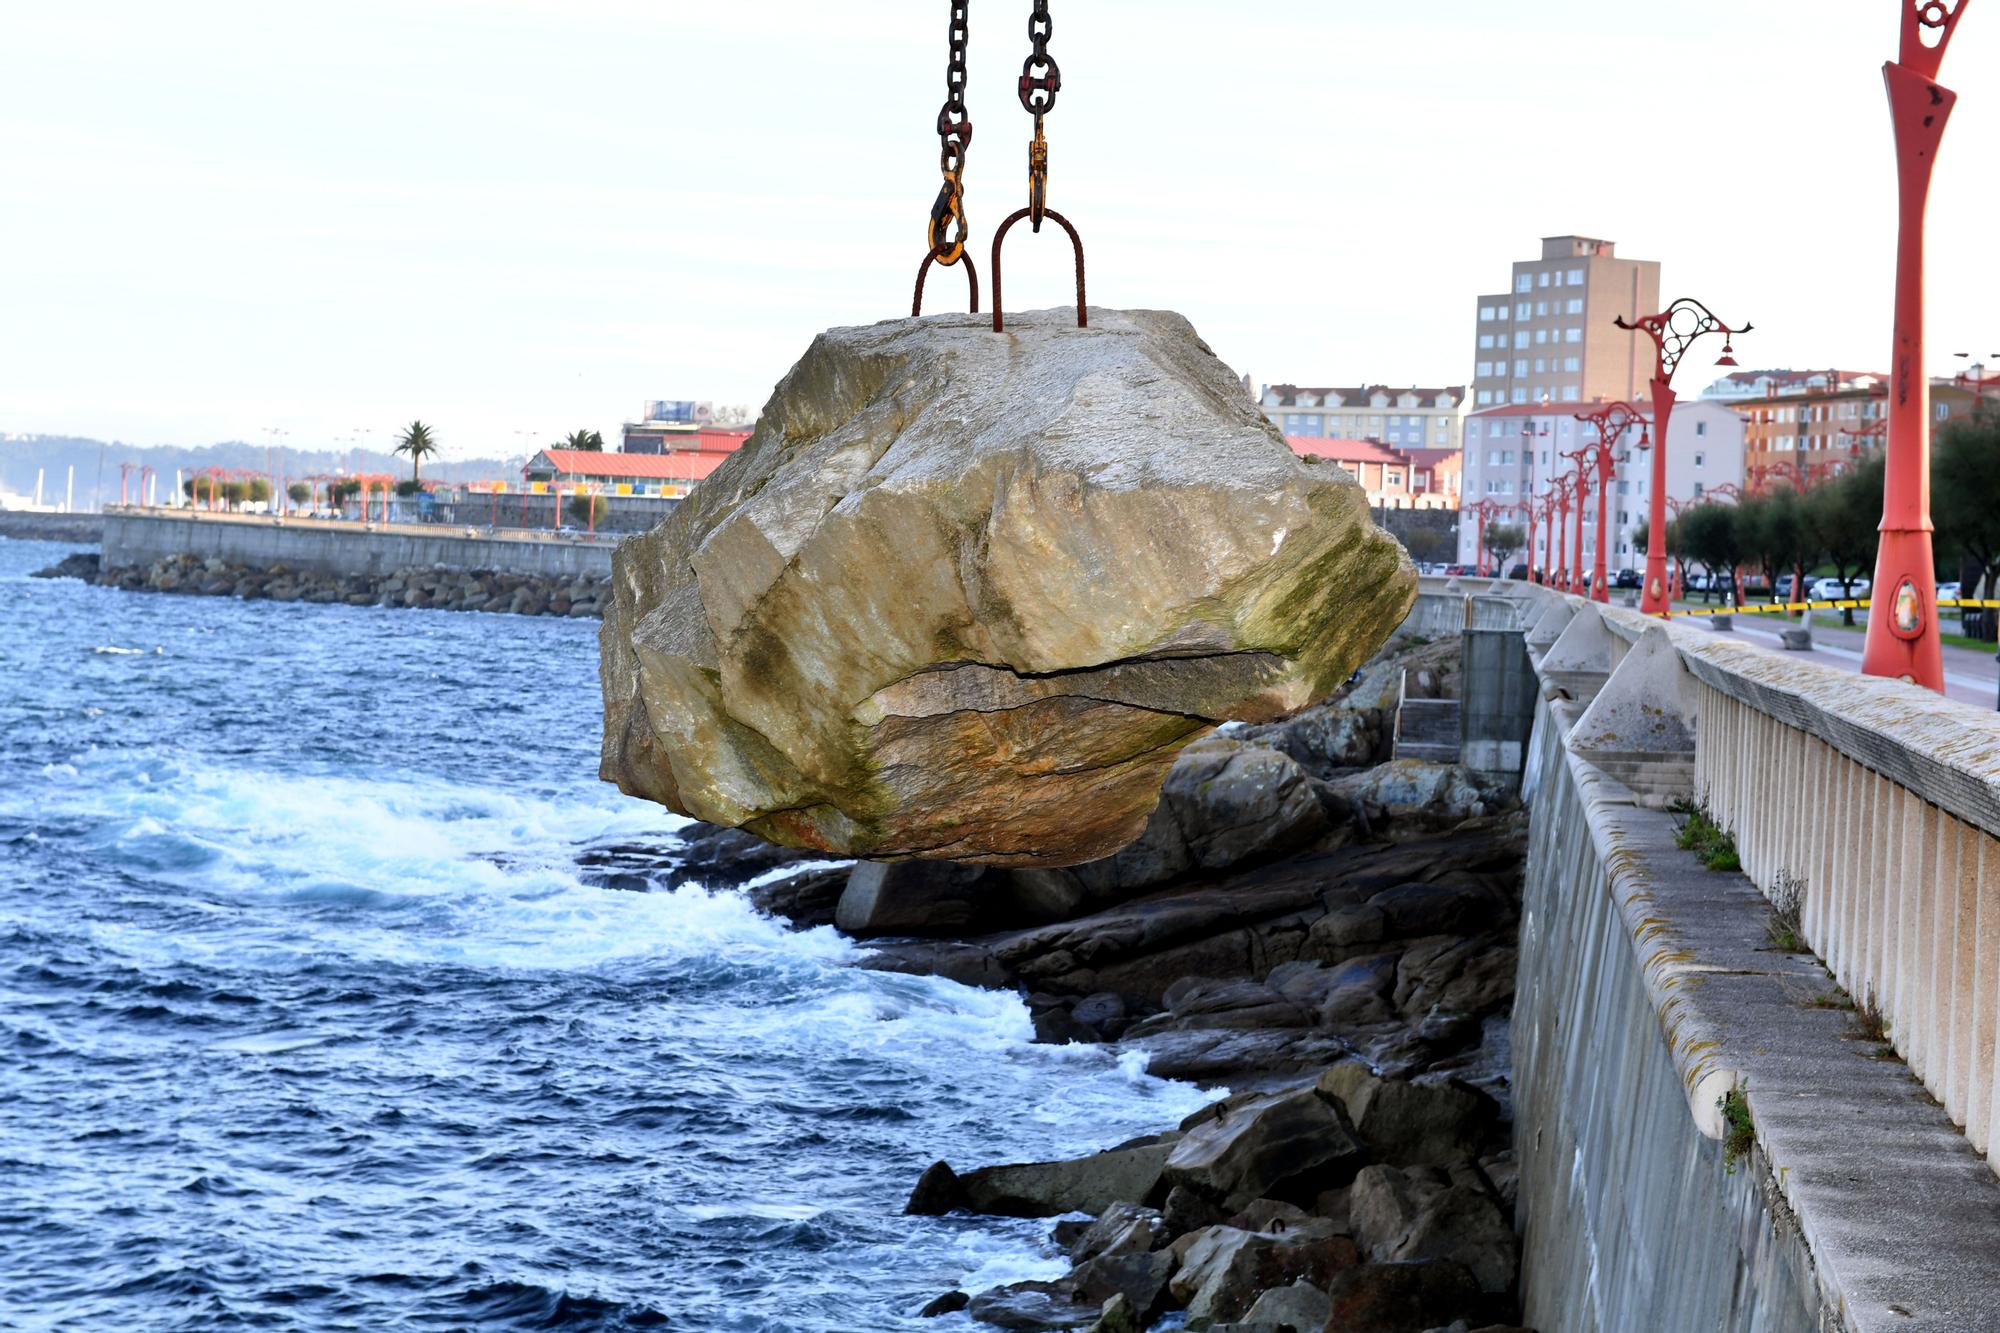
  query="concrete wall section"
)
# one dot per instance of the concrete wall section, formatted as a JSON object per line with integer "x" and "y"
{"x": 1498, "y": 692}
{"x": 342, "y": 548}
{"x": 1651, "y": 987}
{"x": 1630, "y": 1218}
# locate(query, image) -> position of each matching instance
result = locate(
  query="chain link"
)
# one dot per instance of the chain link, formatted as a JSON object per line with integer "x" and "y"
{"x": 1041, "y": 80}
{"x": 954, "y": 131}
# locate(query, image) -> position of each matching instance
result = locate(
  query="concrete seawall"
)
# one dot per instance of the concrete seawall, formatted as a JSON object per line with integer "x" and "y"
{"x": 134, "y": 538}
{"x": 1710, "y": 1136}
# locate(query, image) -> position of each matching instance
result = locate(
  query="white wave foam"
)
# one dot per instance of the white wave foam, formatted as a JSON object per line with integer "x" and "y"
{"x": 422, "y": 870}
{"x": 109, "y": 650}
{"x": 768, "y": 1212}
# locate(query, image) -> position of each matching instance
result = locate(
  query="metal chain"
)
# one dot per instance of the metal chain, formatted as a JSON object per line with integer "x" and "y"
{"x": 954, "y": 138}
{"x": 1039, "y": 73}
{"x": 1041, "y": 80}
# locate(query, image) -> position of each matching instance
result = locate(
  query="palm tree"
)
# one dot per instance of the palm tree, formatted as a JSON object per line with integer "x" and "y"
{"x": 416, "y": 441}
{"x": 588, "y": 440}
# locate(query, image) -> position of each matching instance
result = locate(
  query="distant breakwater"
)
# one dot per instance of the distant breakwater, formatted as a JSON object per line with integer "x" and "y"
{"x": 438, "y": 589}
{"x": 41, "y": 527}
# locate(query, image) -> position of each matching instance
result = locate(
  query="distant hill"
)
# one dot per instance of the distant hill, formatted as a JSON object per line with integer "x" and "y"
{"x": 96, "y": 463}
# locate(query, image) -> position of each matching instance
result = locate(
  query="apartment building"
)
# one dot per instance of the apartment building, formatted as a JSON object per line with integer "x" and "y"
{"x": 1511, "y": 454}
{"x": 1738, "y": 384}
{"x": 1550, "y": 337}
{"x": 1805, "y": 432}
{"x": 1394, "y": 478}
{"x": 1412, "y": 418}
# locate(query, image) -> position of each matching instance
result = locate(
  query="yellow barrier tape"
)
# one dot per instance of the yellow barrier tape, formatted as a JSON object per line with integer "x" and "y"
{"x": 1793, "y": 608}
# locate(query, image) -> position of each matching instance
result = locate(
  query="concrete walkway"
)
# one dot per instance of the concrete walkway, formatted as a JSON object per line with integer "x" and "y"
{"x": 1970, "y": 676}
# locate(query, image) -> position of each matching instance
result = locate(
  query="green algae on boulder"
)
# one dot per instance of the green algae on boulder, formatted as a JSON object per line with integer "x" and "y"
{"x": 965, "y": 596}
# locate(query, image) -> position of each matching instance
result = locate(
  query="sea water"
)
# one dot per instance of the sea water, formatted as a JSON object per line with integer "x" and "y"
{"x": 314, "y": 1013}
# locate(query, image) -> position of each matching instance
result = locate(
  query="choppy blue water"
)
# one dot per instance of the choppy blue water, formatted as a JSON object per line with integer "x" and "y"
{"x": 311, "y": 1019}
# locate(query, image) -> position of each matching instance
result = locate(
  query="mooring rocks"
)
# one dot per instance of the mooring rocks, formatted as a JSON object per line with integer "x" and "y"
{"x": 965, "y": 596}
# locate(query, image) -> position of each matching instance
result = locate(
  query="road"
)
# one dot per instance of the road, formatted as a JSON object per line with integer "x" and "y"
{"x": 1970, "y": 676}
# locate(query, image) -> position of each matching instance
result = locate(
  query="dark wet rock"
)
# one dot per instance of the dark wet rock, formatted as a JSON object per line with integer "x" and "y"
{"x": 1186, "y": 1210}
{"x": 1123, "y": 1228}
{"x": 1419, "y": 790}
{"x": 1503, "y": 1173}
{"x": 76, "y": 565}
{"x": 1300, "y": 1306}
{"x": 724, "y": 858}
{"x": 1119, "y": 1315}
{"x": 1275, "y": 1217}
{"x": 1224, "y": 1269}
{"x": 1422, "y": 1213}
{"x": 1328, "y": 738}
{"x": 914, "y": 898}
{"x": 1079, "y": 1185}
{"x": 938, "y": 1192}
{"x": 1399, "y": 1297}
{"x": 1104, "y": 1013}
{"x": 806, "y": 899}
{"x": 1283, "y": 1140}
{"x": 1140, "y": 1278}
{"x": 1404, "y": 1123}
{"x": 1031, "y": 1307}
{"x": 967, "y": 964}
{"x": 949, "y": 1303}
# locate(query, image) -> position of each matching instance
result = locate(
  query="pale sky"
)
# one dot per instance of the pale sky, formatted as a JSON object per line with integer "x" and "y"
{"x": 517, "y": 217}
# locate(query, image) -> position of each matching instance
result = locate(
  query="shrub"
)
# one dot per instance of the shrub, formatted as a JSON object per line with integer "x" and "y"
{"x": 1707, "y": 840}
{"x": 1739, "y": 1130}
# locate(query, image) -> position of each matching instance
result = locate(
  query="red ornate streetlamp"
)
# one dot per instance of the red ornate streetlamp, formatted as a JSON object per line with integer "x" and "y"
{"x": 1580, "y": 486}
{"x": 1483, "y": 510}
{"x": 1673, "y": 331}
{"x": 1559, "y": 489}
{"x": 1610, "y": 422}
{"x": 1904, "y": 642}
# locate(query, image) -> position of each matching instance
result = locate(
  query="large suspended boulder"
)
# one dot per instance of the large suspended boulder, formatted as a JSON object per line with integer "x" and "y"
{"x": 965, "y": 595}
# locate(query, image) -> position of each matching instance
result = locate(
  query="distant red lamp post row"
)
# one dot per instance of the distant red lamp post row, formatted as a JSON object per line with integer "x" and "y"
{"x": 1559, "y": 489}
{"x": 1610, "y": 422}
{"x": 1673, "y": 331}
{"x": 1904, "y": 642}
{"x": 1579, "y": 482}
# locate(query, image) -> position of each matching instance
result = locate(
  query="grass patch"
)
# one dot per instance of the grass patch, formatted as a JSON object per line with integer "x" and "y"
{"x": 1868, "y": 1023}
{"x": 1833, "y": 999}
{"x": 1699, "y": 834}
{"x": 1739, "y": 1131}
{"x": 1788, "y": 900}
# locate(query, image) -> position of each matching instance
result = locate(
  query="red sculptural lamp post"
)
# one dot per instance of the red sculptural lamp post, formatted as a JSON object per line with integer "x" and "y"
{"x": 1579, "y": 579}
{"x": 1530, "y": 509}
{"x": 1904, "y": 642}
{"x": 1558, "y": 571}
{"x": 1580, "y": 485}
{"x": 1611, "y": 422}
{"x": 1673, "y": 331}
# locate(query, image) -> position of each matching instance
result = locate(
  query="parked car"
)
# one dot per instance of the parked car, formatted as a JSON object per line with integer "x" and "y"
{"x": 1830, "y": 590}
{"x": 1949, "y": 592}
{"x": 1754, "y": 584}
{"x": 1784, "y": 592}
{"x": 1519, "y": 571}
{"x": 1628, "y": 578}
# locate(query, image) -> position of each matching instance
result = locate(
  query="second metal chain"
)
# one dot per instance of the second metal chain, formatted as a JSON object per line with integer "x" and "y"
{"x": 1041, "y": 80}
{"x": 954, "y": 138}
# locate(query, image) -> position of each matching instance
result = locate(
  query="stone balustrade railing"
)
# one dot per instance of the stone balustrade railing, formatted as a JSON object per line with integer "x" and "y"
{"x": 1874, "y": 802}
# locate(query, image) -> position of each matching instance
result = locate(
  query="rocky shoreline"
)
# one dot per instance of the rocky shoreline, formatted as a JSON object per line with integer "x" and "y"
{"x": 1329, "y": 933}
{"x": 440, "y": 589}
